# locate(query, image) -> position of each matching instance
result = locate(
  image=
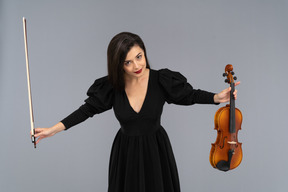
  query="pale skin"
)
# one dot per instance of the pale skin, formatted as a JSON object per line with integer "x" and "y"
{"x": 136, "y": 82}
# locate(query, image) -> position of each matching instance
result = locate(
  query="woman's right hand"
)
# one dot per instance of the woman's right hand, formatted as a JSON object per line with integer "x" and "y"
{"x": 41, "y": 133}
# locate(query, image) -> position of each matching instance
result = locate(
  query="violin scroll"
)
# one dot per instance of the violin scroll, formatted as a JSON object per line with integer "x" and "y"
{"x": 229, "y": 74}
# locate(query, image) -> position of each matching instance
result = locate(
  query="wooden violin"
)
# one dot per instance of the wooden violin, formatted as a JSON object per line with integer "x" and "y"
{"x": 226, "y": 152}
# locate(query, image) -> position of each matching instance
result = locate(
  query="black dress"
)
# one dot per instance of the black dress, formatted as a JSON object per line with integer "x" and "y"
{"x": 141, "y": 158}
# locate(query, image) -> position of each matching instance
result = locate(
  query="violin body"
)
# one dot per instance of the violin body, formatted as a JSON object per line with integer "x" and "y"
{"x": 226, "y": 153}
{"x": 220, "y": 149}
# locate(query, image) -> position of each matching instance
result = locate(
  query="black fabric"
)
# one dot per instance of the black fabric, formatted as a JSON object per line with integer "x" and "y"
{"x": 141, "y": 158}
{"x": 179, "y": 91}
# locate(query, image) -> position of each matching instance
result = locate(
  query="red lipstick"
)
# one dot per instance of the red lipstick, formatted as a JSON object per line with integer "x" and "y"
{"x": 139, "y": 71}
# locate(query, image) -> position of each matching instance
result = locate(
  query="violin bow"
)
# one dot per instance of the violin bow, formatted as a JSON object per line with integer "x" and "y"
{"x": 29, "y": 86}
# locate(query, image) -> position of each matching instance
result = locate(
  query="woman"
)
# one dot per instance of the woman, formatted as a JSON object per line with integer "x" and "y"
{"x": 141, "y": 157}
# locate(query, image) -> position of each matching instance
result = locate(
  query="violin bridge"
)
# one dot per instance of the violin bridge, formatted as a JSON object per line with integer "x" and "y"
{"x": 232, "y": 142}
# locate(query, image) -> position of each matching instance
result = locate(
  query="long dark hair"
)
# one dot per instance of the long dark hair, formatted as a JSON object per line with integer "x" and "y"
{"x": 117, "y": 51}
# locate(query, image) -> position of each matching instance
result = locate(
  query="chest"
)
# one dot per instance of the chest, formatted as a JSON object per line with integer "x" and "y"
{"x": 141, "y": 103}
{"x": 136, "y": 95}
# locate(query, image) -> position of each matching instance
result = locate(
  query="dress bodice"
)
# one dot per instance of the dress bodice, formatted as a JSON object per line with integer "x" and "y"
{"x": 147, "y": 120}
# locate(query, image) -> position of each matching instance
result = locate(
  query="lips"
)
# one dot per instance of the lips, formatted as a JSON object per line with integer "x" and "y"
{"x": 137, "y": 72}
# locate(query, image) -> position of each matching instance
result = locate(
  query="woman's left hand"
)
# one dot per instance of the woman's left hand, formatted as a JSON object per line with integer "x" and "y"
{"x": 224, "y": 96}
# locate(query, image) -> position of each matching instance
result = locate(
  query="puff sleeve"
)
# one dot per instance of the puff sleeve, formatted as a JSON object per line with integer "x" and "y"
{"x": 100, "y": 99}
{"x": 178, "y": 91}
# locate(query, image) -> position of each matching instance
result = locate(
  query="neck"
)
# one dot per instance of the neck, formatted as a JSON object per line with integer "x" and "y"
{"x": 232, "y": 110}
{"x": 135, "y": 79}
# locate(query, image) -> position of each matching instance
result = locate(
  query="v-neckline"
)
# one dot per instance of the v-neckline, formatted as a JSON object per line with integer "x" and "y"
{"x": 148, "y": 85}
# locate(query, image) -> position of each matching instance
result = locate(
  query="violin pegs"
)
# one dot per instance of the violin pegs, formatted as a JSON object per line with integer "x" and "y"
{"x": 224, "y": 74}
{"x": 232, "y": 73}
{"x": 235, "y": 78}
{"x": 226, "y": 81}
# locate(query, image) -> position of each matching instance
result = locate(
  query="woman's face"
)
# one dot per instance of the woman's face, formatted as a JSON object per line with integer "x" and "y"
{"x": 135, "y": 62}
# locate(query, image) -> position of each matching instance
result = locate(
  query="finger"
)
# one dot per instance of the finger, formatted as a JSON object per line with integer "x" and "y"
{"x": 237, "y": 83}
{"x": 227, "y": 90}
{"x": 39, "y": 139}
{"x": 235, "y": 94}
{"x": 38, "y": 130}
{"x": 38, "y": 135}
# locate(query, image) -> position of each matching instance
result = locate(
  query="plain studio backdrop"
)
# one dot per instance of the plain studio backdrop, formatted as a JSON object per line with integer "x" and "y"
{"x": 67, "y": 42}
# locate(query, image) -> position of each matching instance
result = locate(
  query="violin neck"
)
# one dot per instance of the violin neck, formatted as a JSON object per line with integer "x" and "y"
{"x": 232, "y": 110}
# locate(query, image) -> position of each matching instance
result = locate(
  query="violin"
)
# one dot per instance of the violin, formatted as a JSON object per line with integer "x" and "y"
{"x": 226, "y": 153}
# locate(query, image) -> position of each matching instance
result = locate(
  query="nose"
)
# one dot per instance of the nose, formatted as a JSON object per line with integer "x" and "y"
{"x": 136, "y": 65}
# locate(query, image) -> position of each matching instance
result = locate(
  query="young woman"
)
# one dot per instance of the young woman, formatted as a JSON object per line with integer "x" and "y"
{"x": 141, "y": 157}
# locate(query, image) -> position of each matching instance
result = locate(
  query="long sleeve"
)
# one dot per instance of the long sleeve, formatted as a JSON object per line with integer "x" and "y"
{"x": 100, "y": 99}
{"x": 178, "y": 91}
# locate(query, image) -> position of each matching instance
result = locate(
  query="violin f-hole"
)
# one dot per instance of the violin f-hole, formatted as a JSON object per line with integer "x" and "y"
{"x": 221, "y": 147}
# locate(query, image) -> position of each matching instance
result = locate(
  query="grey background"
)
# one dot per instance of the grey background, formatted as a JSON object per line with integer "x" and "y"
{"x": 67, "y": 48}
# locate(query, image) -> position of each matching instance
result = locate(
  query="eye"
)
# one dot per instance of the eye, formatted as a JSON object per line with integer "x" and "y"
{"x": 139, "y": 56}
{"x": 127, "y": 62}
